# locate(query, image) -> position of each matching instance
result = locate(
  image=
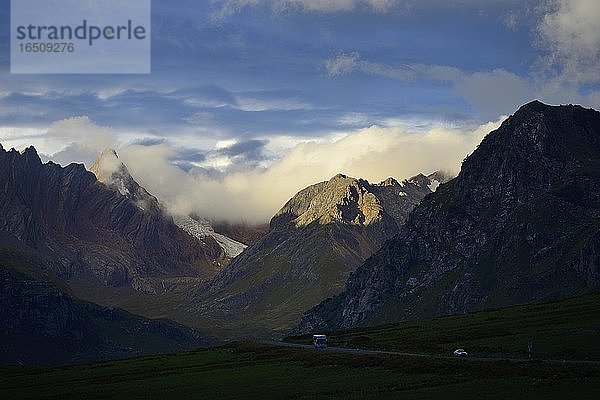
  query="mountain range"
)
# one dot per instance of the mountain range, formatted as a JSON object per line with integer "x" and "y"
{"x": 83, "y": 229}
{"x": 520, "y": 224}
{"x": 111, "y": 171}
{"x": 315, "y": 241}
{"x": 64, "y": 236}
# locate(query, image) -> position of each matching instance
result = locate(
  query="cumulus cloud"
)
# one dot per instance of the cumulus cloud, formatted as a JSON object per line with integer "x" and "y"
{"x": 373, "y": 153}
{"x": 251, "y": 179}
{"x": 82, "y": 139}
{"x": 569, "y": 32}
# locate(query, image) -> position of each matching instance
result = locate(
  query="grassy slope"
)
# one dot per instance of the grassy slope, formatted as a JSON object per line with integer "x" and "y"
{"x": 293, "y": 289}
{"x": 252, "y": 371}
{"x": 563, "y": 329}
{"x": 86, "y": 331}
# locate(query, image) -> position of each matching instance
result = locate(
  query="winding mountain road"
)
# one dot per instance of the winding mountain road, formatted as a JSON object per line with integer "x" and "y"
{"x": 423, "y": 355}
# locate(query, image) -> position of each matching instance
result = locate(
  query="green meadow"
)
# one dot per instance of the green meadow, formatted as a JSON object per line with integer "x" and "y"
{"x": 244, "y": 370}
{"x": 567, "y": 329}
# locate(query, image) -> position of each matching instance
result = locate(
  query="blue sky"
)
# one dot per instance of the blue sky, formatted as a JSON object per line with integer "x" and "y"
{"x": 242, "y": 82}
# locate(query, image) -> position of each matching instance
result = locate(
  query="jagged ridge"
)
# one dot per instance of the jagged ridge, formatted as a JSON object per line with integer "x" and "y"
{"x": 110, "y": 170}
{"x": 315, "y": 241}
{"x": 84, "y": 229}
{"x": 521, "y": 223}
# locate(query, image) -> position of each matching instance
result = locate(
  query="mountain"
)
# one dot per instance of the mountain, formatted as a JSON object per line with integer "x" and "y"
{"x": 202, "y": 228}
{"x": 42, "y": 323}
{"x": 520, "y": 224}
{"x": 87, "y": 232}
{"x": 114, "y": 174}
{"x": 242, "y": 232}
{"x": 111, "y": 171}
{"x": 315, "y": 241}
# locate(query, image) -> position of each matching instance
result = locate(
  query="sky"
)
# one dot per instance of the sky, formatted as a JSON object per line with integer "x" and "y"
{"x": 249, "y": 101}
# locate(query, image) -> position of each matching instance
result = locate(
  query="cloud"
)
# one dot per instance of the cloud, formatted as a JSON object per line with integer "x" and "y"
{"x": 494, "y": 91}
{"x": 490, "y": 92}
{"x": 569, "y": 32}
{"x": 82, "y": 139}
{"x": 255, "y": 194}
{"x": 254, "y": 104}
{"x": 251, "y": 148}
{"x": 149, "y": 141}
{"x": 346, "y": 63}
{"x": 21, "y": 137}
{"x": 226, "y": 157}
{"x": 342, "y": 64}
{"x": 251, "y": 179}
{"x": 354, "y": 119}
{"x": 510, "y": 20}
{"x": 325, "y": 6}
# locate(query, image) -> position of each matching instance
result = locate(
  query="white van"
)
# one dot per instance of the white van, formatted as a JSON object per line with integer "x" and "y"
{"x": 320, "y": 341}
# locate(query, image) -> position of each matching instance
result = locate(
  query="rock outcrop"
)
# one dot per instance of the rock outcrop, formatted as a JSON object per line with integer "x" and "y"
{"x": 111, "y": 171}
{"x": 520, "y": 224}
{"x": 315, "y": 241}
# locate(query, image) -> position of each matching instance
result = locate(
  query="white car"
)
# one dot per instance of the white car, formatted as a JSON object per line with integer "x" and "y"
{"x": 320, "y": 341}
{"x": 460, "y": 353}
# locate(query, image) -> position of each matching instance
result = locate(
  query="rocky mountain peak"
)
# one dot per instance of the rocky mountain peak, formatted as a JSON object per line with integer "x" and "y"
{"x": 353, "y": 201}
{"x": 30, "y": 154}
{"x": 81, "y": 226}
{"x": 341, "y": 199}
{"x": 389, "y": 182}
{"x": 419, "y": 180}
{"x": 111, "y": 171}
{"x": 519, "y": 224}
{"x": 533, "y": 150}
{"x": 339, "y": 177}
{"x": 316, "y": 241}
{"x": 108, "y": 166}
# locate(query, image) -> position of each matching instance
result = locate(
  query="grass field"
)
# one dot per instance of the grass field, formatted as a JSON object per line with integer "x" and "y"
{"x": 242, "y": 370}
{"x": 567, "y": 329}
{"x": 252, "y": 371}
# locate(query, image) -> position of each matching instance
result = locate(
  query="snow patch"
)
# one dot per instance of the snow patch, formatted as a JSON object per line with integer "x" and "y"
{"x": 202, "y": 228}
{"x": 120, "y": 184}
{"x": 433, "y": 185}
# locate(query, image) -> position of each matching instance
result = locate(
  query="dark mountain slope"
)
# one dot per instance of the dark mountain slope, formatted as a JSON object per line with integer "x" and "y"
{"x": 42, "y": 323}
{"x": 82, "y": 227}
{"x": 243, "y": 232}
{"x": 109, "y": 170}
{"x": 520, "y": 224}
